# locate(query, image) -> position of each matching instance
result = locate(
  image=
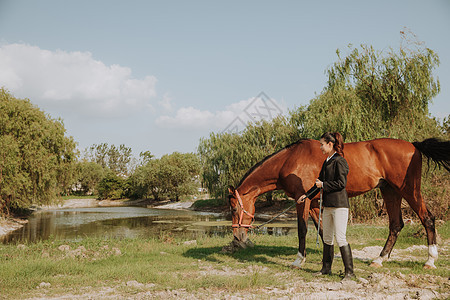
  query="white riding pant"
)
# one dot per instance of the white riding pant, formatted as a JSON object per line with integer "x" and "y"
{"x": 335, "y": 224}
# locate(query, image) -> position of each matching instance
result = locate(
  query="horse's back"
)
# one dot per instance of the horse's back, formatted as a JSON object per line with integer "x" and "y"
{"x": 375, "y": 160}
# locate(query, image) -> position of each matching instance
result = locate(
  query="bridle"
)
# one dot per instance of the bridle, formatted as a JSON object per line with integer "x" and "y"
{"x": 241, "y": 214}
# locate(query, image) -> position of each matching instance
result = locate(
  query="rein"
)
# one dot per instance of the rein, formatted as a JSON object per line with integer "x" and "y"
{"x": 267, "y": 222}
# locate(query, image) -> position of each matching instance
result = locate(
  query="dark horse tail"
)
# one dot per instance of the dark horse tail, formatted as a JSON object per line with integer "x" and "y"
{"x": 436, "y": 150}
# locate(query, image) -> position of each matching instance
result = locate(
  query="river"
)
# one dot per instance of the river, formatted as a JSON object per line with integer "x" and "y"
{"x": 127, "y": 222}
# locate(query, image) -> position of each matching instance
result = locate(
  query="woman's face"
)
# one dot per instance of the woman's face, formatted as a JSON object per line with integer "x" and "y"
{"x": 327, "y": 148}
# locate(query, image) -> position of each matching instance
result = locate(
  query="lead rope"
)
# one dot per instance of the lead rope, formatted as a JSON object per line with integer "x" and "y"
{"x": 320, "y": 215}
{"x": 267, "y": 222}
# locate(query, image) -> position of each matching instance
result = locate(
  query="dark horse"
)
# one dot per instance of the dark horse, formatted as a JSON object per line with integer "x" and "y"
{"x": 393, "y": 166}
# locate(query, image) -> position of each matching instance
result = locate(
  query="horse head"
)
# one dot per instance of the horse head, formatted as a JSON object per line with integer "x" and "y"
{"x": 242, "y": 214}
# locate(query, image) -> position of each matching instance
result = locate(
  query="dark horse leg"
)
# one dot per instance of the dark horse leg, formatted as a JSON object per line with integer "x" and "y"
{"x": 393, "y": 201}
{"x": 302, "y": 222}
{"x": 416, "y": 202}
{"x": 393, "y": 204}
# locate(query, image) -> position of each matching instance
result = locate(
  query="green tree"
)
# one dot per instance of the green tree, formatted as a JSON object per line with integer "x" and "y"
{"x": 111, "y": 186}
{"x": 173, "y": 175}
{"x": 89, "y": 175}
{"x": 145, "y": 157}
{"x": 98, "y": 154}
{"x": 35, "y": 155}
{"x": 147, "y": 181}
{"x": 178, "y": 172}
{"x": 387, "y": 93}
{"x": 117, "y": 159}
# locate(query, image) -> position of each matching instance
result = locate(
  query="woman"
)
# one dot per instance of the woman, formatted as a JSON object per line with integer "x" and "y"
{"x": 332, "y": 180}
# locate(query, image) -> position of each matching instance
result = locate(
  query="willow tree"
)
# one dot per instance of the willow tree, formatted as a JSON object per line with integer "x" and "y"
{"x": 377, "y": 94}
{"x": 35, "y": 155}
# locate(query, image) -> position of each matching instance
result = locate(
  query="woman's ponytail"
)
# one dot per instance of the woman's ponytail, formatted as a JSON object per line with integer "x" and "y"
{"x": 339, "y": 144}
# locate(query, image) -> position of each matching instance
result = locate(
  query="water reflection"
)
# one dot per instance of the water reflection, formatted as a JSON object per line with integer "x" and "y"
{"x": 127, "y": 222}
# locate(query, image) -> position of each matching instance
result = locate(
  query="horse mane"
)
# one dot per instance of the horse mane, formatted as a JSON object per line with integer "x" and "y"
{"x": 266, "y": 158}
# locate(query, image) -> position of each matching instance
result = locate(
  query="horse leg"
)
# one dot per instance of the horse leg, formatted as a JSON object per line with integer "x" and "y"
{"x": 416, "y": 202}
{"x": 302, "y": 222}
{"x": 393, "y": 202}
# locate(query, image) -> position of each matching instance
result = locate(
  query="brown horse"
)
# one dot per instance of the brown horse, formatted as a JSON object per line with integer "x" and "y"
{"x": 393, "y": 166}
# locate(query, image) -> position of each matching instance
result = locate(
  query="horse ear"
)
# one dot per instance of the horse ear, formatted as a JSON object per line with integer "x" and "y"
{"x": 231, "y": 189}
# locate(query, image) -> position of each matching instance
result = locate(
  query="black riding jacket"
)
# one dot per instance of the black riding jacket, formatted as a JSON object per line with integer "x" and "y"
{"x": 334, "y": 177}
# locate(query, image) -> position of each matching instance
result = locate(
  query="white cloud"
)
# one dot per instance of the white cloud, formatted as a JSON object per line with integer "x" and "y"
{"x": 73, "y": 80}
{"x": 233, "y": 118}
{"x": 187, "y": 118}
{"x": 166, "y": 103}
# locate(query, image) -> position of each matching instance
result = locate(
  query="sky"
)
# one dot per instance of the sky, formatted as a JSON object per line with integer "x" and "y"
{"x": 161, "y": 75}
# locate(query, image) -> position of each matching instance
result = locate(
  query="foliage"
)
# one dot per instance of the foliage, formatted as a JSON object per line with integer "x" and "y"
{"x": 173, "y": 175}
{"x": 145, "y": 181}
{"x": 371, "y": 94}
{"x": 178, "y": 173}
{"x": 88, "y": 176}
{"x": 446, "y": 127}
{"x": 117, "y": 159}
{"x": 111, "y": 186}
{"x": 103, "y": 170}
{"x": 35, "y": 155}
{"x": 215, "y": 202}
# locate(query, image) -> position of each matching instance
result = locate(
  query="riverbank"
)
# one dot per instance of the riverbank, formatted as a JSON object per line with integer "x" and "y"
{"x": 8, "y": 225}
{"x": 174, "y": 268}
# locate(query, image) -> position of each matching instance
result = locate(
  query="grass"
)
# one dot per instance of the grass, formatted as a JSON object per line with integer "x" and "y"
{"x": 166, "y": 263}
{"x": 209, "y": 203}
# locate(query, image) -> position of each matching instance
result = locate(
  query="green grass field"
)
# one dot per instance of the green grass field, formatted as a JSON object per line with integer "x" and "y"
{"x": 57, "y": 268}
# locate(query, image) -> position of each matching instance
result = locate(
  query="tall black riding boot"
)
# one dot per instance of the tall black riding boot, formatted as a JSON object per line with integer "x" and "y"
{"x": 347, "y": 258}
{"x": 327, "y": 260}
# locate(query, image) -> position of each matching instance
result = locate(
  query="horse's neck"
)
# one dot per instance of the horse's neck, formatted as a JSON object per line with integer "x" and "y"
{"x": 263, "y": 178}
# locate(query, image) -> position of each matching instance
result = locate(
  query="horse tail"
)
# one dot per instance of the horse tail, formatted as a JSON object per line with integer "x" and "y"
{"x": 437, "y": 150}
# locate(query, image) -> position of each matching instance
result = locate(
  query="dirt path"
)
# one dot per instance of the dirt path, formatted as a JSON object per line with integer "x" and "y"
{"x": 378, "y": 285}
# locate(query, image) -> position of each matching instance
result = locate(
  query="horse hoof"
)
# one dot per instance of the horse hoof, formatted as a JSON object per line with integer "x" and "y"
{"x": 298, "y": 263}
{"x": 375, "y": 265}
{"x": 428, "y": 267}
{"x": 249, "y": 244}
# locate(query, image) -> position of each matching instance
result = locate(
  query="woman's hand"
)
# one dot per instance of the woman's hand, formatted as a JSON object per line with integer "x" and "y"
{"x": 319, "y": 183}
{"x": 301, "y": 199}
